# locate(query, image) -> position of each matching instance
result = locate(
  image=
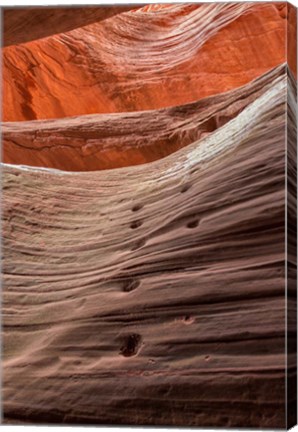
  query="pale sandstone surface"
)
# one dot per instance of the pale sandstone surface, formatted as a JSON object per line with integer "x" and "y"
{"x": 152, "y": 294}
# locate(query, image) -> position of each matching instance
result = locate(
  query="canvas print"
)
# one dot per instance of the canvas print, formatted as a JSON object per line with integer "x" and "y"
{"x": 149, "y": 215}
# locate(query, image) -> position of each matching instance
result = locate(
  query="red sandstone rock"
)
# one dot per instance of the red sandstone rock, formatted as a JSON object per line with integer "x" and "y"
{"x": 292, "y": 38}
{"x": 89, "y": 143}
{"x": 142, "y": 60}
{"x": 26, "y": 24}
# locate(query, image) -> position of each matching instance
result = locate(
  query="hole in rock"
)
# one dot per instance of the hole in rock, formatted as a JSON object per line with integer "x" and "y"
{"x": 185, "y": 188}
{"x": 130, "y": 344}
{"x": 130, "y": 285}
{"x": 188, "y": 319}
{"x": 137, "y": 207}
{"x": 193, "y": 224}
{"x": 136, "y": 224}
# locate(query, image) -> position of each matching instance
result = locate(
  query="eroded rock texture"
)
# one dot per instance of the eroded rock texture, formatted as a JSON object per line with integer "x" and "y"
{"x": 144, "y": 237}
{"x": 95, "y": 142}
{"x": 142, "y": 60}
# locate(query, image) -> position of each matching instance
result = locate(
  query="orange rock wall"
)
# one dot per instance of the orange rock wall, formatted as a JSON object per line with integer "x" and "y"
{"x": 146, "y": 65}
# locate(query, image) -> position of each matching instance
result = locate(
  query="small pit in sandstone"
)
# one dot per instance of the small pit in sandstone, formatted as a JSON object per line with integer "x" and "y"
{"x": 136, "y": 224}
{"x": 137, "y": 207}
{"x": 193, "y": 224}
{"x": 130, "y": 344}
{"x": 185, "y": 188}
{"x": 130, "y": 285}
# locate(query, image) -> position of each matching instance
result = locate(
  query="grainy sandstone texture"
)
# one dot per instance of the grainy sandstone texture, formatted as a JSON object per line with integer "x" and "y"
{"x": 142, "y": 60}
{"x": 145, "y": 213}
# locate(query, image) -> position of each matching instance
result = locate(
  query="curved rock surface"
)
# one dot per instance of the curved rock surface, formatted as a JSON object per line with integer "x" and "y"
{"x": 152, "y": 294}
{"x": 88, "y": 143}
{"x": 24, "y": 25}
{"x": 142, "y": 60}
{"x": 144, "y": 215}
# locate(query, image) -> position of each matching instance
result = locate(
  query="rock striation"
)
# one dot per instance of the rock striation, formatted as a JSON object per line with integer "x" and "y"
{"x": 91, "y": 142}
{"x": 155, "y": 286}
{"x": 141, "y": 60}
{"x": 28, "y": 24}
{"x": 144, "y": 212}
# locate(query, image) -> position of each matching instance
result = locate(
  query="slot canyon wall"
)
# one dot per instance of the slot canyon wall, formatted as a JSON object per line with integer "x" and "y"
{"x": 145, "y": 215}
